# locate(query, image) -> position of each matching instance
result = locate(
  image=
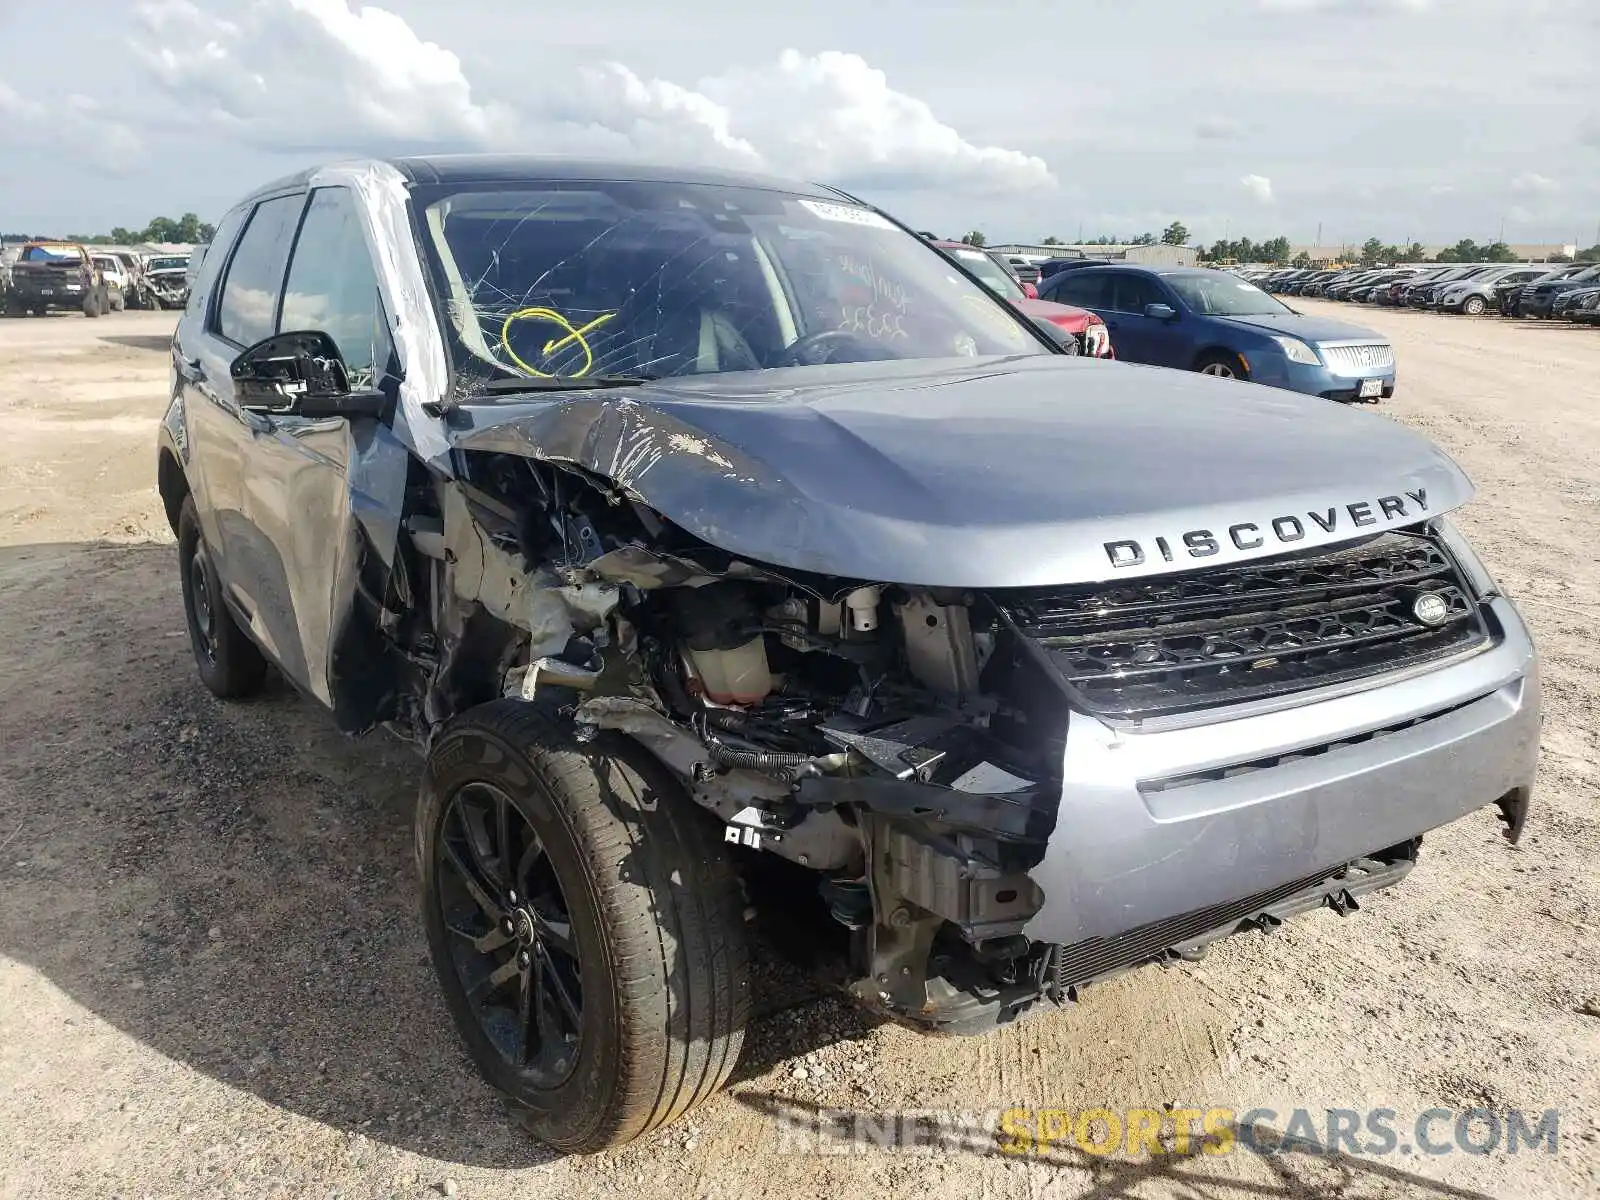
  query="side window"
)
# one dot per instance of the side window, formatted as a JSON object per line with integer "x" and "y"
{"x": 205, "y": 282}
{"x": 1086, "y": 289}
{"x": 333, "y": 286}
{"x": 1133, "y": 292}
{"x": 255, "y": 276}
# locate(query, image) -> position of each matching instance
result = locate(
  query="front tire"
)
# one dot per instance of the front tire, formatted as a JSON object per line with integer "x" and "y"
{"x": 1223, "y": 366}
{"x": 1473, "y": 306}
{"x": 229, "y": 663}
{"x": 585, "y": 925}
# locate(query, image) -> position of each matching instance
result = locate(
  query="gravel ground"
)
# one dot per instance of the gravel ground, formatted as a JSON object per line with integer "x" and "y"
{"x": 213, "y": 981}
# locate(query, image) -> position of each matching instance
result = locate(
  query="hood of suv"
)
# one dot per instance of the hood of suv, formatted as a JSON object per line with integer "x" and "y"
{"x": 1303, "y": 326}
{"x": 986, "y": 473}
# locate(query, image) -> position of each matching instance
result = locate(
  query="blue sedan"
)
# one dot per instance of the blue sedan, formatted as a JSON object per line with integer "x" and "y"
{"x": 1216, "y": 323}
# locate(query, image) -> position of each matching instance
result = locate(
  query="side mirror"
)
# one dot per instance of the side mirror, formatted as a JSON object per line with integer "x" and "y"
{"x": 1030, "y": 291}
{"x": 300, "y": 374}
{"x": 1160, "y": 312}
{"x": 1063, "y": 340}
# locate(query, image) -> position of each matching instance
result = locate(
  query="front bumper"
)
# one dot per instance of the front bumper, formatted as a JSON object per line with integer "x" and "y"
{"x": 1171, "y": 818}
{"x": 1275, "y": 370}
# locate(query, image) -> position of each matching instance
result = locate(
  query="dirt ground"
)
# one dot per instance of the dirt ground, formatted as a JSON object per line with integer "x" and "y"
{"x": 213, "y": 980}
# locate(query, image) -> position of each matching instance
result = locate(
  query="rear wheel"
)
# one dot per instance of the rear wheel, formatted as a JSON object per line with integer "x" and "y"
{"x": 584, "y": 923}
{"x": 229, "y": 663}
{"x": 1222, "y": 365}
{"x": 1473, "y": 306}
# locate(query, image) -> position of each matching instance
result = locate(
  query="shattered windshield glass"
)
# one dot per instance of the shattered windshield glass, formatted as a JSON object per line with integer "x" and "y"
{"x": 615, "y": 281}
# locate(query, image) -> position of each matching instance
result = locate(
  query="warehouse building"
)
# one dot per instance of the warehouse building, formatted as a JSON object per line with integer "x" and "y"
{"x": 1159, "y": 255}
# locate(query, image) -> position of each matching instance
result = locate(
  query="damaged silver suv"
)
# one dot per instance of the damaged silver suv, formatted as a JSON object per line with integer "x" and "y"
{"x": 733, "y": 557}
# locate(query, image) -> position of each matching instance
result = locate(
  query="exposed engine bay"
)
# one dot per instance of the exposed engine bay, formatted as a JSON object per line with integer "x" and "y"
{"x": 898, "y": 743}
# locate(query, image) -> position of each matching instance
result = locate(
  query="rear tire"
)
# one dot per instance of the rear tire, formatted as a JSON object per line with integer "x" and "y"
{"x": 1473, "y": 306}
{"x": 1223, "y": 366}
{"x": 229, "y": 663}
{"x": 592, "y": 878}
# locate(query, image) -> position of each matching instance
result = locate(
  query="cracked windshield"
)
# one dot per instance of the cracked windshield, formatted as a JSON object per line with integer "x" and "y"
{"x": 646, "y": 280}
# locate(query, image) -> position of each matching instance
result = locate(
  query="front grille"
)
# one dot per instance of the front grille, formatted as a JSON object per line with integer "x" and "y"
{"x": 1360, "y": 357}
{"x": 1225, "y": 635}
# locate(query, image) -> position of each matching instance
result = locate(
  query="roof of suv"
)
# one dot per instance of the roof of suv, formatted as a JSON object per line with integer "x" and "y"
{"x": 514, "y": 168}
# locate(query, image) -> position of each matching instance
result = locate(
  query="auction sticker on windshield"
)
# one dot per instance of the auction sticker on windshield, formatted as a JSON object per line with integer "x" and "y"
{"x": 847, "y": 214}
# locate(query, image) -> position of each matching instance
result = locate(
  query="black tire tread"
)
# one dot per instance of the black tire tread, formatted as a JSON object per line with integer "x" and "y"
{"x": 676, "y": 1049}
{"x": 241, "y": 668}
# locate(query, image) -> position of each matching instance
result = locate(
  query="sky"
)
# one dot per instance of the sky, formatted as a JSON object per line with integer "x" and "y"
{"x": 1430, "y": 120}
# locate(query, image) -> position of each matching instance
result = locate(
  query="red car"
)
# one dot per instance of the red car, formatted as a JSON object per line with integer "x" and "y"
{"x": 1094, "y": 339}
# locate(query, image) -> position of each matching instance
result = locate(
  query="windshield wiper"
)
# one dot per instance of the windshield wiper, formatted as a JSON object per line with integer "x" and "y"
{"x": 556, "y": 383}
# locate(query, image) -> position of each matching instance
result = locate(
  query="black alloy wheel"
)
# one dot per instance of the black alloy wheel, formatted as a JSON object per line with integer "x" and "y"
{"x": 229, "y": 663}
{"x": 585, "y": 923}
{"x": 513, "y": 947}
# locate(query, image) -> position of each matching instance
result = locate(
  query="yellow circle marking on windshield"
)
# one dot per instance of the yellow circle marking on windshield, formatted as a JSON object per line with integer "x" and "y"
{"x": 574, "y": 334}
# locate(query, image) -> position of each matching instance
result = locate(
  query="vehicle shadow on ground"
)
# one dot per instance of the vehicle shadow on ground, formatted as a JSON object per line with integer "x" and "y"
{"x": 1297, "y": 1168}
{"x": 139, "y": 341}
{"x": 233, "y": 884}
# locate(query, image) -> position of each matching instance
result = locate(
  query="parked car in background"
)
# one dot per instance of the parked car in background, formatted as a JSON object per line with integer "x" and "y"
{"x": 116, "y": 277}
{"x": 1313, "y": 279}
{"x": 1024, "y": 270}
{"x": 1400, "y": 292}
{"x": 1208, "y": 321}
{"x": 166, "y": 280}
{"x": 1088, "y": 330}
{"x": 1052, "y": 266}
{"x": 1340, "y": 289}
{"x": 1426, "y": 296}
{"x": 1571, "y": 301}
{"x": 1587, "y": 309}
{"x": 1508, "y": 296}
{"x": 1538, "y": 298}
{"x": 1476, "y": 295}
{"x": 53, "y": 276}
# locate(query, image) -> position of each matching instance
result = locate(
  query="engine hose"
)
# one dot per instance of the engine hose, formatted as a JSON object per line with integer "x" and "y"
{"x": 765, "y": 761}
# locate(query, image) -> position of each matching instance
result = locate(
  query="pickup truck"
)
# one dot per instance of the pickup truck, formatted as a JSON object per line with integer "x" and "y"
{"x": 56, "y": 275}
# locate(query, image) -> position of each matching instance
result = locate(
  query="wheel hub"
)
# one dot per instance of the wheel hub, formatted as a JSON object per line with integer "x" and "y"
{"x": 522, "y": 927}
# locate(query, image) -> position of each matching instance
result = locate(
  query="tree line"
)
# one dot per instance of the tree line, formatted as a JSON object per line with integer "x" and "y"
{"x": 1277, "y": 250}
{"x": 188, "y": 228}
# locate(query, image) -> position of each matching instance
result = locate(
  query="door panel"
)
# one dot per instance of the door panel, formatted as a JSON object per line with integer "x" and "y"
{"x": 298, "y": 497}
{"x": 252, "y": 571}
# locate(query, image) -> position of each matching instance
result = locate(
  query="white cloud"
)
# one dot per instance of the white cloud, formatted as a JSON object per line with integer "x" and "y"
{"x": 77, "y": 121}
{"x": 311, "y": 73}
{"x": 1217, "y": 129}
{"x": 336, "y": 75}
{"x": 1534, "y": 183}
{"x": 1259, "y": 187}
{"x": 834, "y": 116}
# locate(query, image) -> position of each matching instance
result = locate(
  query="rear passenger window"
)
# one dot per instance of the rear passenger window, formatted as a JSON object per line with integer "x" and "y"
{"x": 1086, "y": 289}
{"x": 205, "y": 279}
{"x": 255, "y": 276}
